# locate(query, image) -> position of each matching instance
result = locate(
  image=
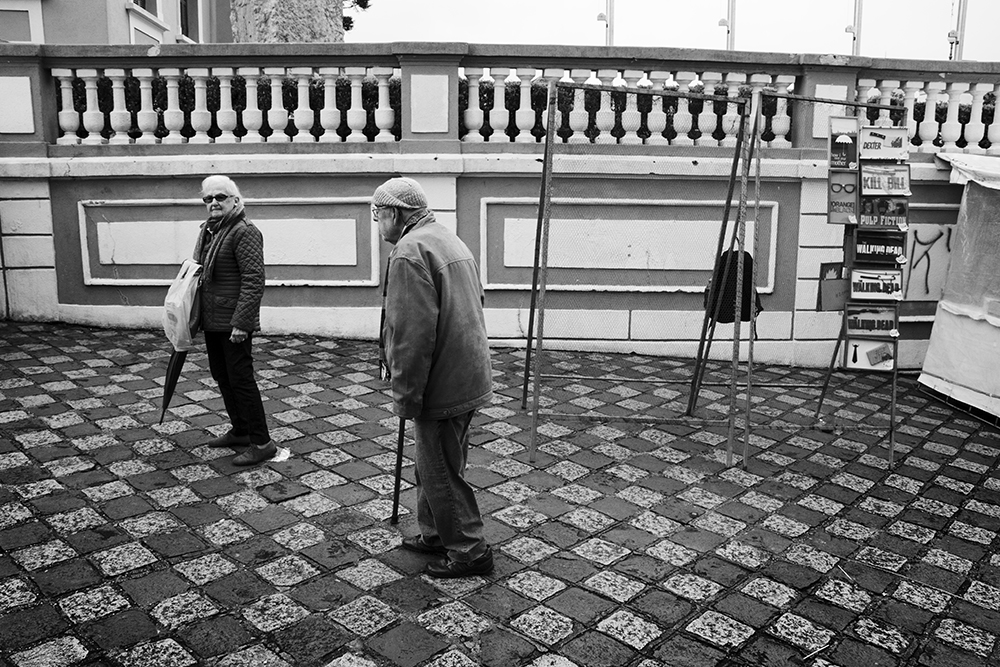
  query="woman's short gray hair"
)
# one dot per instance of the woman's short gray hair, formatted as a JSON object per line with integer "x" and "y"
{"x": 222, "y": 184}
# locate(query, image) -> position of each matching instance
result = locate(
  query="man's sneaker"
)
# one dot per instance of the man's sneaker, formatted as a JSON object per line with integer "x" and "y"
{"x": 416, "y": 543}
{"x": 230, "y": 440}
{"x": 451, "y": 569}
{"x": 256, "y": 454}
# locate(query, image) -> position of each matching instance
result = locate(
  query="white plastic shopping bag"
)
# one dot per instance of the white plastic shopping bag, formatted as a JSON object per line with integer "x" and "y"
{"x": 181, "y": 308}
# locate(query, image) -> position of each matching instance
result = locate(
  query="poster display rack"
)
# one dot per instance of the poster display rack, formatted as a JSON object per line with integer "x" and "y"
{"x": 869, "y": 183}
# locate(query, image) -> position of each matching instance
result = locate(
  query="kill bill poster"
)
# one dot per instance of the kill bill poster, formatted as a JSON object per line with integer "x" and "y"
{"x": 889, "y": 180}
{"x": 885, "y": 212}
{"x": 865, "y": 319}
{"x": 877, "y": 284}
{"x": 842, "y": 198}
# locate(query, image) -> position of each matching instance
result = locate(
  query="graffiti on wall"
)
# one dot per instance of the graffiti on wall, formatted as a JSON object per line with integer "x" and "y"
{"x": 929, "y": 252}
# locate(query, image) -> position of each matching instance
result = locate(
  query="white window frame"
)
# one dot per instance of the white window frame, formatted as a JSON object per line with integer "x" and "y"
{"x": 35, "y": 23}
{"x": 145, "y": 22}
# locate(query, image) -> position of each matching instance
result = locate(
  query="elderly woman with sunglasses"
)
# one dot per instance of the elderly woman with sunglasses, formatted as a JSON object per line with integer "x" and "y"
{"x": 231, "y": 251}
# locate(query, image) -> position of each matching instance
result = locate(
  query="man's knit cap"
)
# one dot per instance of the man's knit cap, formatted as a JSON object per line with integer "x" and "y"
{"x": 400, "y": 193}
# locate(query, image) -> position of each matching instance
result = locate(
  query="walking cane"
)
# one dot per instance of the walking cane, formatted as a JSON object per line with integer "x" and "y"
{"x": 399, "y": 473}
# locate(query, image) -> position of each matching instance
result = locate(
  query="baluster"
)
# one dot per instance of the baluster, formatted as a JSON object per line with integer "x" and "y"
{"x": 145, "y": 119}
{"x": 993, "y": 134}
{"x": 69, "y": 118}
{"x": 173, "y": 117}
{"x": 385, "y": 118}
{"x": 731, "y": 119}
{"x": 329, "y": 117}
{"x": 252, "y": 117}
{"x": 929, "y": 126}
{"x": 499, "y": 116}
{"x": 975, "y": 130}
{"x": 356, "y": 116}
{"x": 303, "y": 114}
{"x": 277, "y": 115}
{"x": 863, "y": 93}
{"x": 606, "y": 114}
{"x": 93, "y": 119}
{"x": 707, "y": 119}
{"x": 781, "y": 123}
{"x": 951, "y": 130}
{"x": 885, "y": 88}
{"x": 524, "y": 115}
{"x": 201, "y": 117}
{"x": 683, "y": 121}
{"x": 656, "y": 121}
{"x": 631, "y": 119}
{"x": 757, "y": 83}
{"x": 473, "y": 114}
{"x": 578, "y": 116}
{"x": 547, "y": 76}
{"x": 225, "y": 117}
{"x": 121, "y": 119}
{"x": 910, "y": 89}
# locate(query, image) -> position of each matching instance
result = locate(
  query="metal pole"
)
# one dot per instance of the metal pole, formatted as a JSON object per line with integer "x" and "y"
{"x": 963, "y": 9}
{"x": 714, "y": 302}
{"x": 858, "y": 11}
{"x": 550, "y": 134}
{"x": 546, "y": 175}
{"x": 753, "y": 286}
{"x": 394, "y": 519}
{"x": 731, "y": 31}
{"x": 611, "y": 23}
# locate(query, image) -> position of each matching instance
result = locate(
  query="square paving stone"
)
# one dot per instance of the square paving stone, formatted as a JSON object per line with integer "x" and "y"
{"x": 122, "y": 508}
{"x": 408, "y": 645}
{"x": 23, "y": 628}
{"x": 745, "y": 609}
{"x": 308, "y": 640}
{"x": 256, "y": 550}
{"x": 123, "y": 629}
{"x": 681, "y": 651}
{"x": 767, "y": 652}
{"x": 65, "y": 577}
{"x": 410, "y": 594}
{"x": 852, "y": 652}
{"x": 494, "y": 600}
{"x": 596, "y": 649}
{"x": 173, "y": 544}
{"x": 238, "y": 589}
{"x": 102, "y": 537}
{"x": 151, "y": 588}
{"x": 219, "y": 635}
{"x": 329, "y": 592}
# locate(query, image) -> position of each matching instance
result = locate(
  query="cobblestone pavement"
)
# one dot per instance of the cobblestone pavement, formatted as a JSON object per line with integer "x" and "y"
{"x": 125, "y": 542}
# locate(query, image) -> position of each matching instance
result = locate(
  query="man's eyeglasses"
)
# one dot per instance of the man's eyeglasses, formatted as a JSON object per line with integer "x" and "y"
{"x": 219, "y": 198}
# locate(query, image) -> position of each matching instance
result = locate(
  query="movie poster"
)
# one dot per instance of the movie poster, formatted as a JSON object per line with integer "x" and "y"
{"x": 877, "y": 284}
{"x": 875, "y": 247}
{"x": 885, "y": 212}
{"x": 869, "y": 319}
{"x": 890, "y": 180}
{"x": 870, "y": 354}
{"x": 842, "y": 198}
{"x": 883, "y": 143}
{"x": 843, "y": 142}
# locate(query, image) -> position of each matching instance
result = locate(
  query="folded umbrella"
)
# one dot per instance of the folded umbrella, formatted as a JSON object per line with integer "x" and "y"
{"x": 174, "y": 367}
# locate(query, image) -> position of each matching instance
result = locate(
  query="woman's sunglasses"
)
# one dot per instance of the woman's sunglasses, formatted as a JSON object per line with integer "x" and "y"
{"x": 219, "y": 197}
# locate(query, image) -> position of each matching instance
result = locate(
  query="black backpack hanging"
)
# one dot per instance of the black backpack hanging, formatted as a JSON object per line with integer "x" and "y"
{"x": 727, "y": 290}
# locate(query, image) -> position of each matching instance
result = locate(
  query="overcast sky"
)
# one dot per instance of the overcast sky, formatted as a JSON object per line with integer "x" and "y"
{"x": 890, "y": 28}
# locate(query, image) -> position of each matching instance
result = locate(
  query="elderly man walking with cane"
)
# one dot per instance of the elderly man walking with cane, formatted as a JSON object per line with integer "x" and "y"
{"x": 437, "y": 359}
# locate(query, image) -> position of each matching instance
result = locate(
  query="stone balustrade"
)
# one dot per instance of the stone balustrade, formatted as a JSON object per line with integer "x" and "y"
{"x": 226, "y": 105}
{"x": 228, "y": 94}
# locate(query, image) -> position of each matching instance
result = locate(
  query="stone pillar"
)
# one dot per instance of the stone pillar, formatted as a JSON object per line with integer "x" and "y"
{"x": 811, "y": 128}
{"x": 430, "y": 96}
{"x": 27, "y": 275}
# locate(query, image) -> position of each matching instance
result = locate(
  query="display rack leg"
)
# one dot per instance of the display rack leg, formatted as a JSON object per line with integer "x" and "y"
{"x": 829, "y": 373}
